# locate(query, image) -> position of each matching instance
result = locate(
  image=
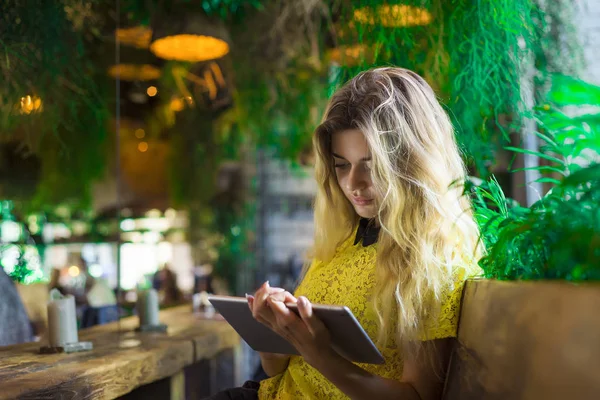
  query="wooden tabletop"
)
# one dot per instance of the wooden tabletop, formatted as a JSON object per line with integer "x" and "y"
{"x": 121, "y": 360}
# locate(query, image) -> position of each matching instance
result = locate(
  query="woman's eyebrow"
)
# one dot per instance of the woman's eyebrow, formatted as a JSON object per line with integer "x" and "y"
{"x": 368, "y": 158}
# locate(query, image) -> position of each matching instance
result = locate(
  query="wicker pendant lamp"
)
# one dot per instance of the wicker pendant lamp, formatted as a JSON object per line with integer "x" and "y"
{"x": 393, "y": 16}
{"x": 189, "y": 36}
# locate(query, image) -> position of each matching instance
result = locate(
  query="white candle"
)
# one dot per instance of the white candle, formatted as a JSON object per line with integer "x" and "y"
{"x": 62, "y": 320}
{"x": 147, "y": 307}
{"x": 207, "y": 306}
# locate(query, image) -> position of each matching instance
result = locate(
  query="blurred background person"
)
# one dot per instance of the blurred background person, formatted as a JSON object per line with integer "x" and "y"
{"x": 165, "y": 282}
{"x": 16, "y": 327}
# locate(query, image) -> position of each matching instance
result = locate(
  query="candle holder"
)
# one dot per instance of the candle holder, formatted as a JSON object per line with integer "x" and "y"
{"x": 62, "y": 326}
{"x": 147, "y": 309}
{"x": 67, "y": 348}
{"x": 160, "y": 328}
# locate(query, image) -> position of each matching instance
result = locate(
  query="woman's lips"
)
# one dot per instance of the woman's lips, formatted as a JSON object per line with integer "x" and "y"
{"x": 361, "y": 201}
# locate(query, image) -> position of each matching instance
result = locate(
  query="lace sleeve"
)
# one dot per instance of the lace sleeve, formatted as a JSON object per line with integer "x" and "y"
{"x": 445, "y": 323}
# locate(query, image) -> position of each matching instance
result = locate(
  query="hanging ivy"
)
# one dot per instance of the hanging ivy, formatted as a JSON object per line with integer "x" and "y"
{"x": 47, "y": 60}
{"x": 473, "y": 53}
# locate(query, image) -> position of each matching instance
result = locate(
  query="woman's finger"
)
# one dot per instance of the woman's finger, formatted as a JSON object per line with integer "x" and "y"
{"x": 263, "y": 313}
{"x": 264, "y": 316}
{"x": 264, "y": 291}
{"x": 260, "y": 307}
{"x": 260, "y": 297}
{"x": 285, "y": 297}
{"x": 271, "y": 289}
{"x": 286, "y": 320}
{"x": 314, "y": 324}
{"x": 266, "y": 322}
{"x": 250, "y": 299}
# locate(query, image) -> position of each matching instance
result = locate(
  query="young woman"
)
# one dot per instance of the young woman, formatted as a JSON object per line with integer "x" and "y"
{"x": 394, "y": 241}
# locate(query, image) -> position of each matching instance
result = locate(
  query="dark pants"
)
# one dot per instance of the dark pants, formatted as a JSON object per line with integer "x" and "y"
{"x": 249, "y": 391}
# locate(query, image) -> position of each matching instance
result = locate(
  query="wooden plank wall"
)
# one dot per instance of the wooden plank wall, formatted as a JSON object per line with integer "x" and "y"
{"x": 527, "y": 340}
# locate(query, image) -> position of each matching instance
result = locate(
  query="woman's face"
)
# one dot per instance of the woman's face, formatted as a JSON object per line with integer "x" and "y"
{"x": 353, "y": 170}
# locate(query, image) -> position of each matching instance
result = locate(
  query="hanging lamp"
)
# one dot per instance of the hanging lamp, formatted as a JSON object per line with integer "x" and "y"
{"x": 190, "y": 36}
{"x": 29, "y": 104}
{"x": 135, "y": 36}
{"x": 393, "y": 16}
{"x": 135, "y": 64}
{"x": 134, "y": 72}
{"x": 349, "y": 51}
{"x": 352, "y": 55}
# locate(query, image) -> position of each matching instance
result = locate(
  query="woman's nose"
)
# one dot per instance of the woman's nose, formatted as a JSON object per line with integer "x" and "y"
{"x": 357, "y": 180}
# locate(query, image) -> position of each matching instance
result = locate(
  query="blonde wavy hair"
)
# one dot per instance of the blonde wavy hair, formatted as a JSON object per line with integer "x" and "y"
{"x": 426, "y": 224}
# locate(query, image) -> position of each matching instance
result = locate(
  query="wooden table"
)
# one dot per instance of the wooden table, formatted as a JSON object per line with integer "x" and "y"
{"x": 123, "y": 362}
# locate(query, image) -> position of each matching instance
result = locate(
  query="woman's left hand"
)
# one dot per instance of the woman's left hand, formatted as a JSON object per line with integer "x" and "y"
{"x": 306, "y": 333}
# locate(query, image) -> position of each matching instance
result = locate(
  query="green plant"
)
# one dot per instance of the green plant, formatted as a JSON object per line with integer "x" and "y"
{"x": 20, "y": 259}
{"x": 558, "y": 237}
{"x": 47, "y": 53}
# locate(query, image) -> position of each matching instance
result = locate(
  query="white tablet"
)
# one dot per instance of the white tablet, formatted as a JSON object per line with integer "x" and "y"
{"x": 348, "y": 338}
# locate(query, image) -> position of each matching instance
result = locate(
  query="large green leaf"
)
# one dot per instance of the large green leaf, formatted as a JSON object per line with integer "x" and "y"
{"x": 570, "y": 91}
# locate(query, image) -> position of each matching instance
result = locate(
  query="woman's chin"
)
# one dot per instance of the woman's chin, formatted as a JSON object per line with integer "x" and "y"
{"x": 366, "y": 211}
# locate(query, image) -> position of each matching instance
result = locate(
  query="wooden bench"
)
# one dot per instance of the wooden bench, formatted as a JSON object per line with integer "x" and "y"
{"x": 527, "y": 340}
{"x": 124, "y": 362}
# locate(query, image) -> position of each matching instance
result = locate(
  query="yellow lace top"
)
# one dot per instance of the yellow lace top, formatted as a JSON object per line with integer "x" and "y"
{"x": 348, "y": 279}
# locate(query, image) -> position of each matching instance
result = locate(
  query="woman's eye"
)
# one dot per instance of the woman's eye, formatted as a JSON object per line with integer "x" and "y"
{"x": 341, "y": 165}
